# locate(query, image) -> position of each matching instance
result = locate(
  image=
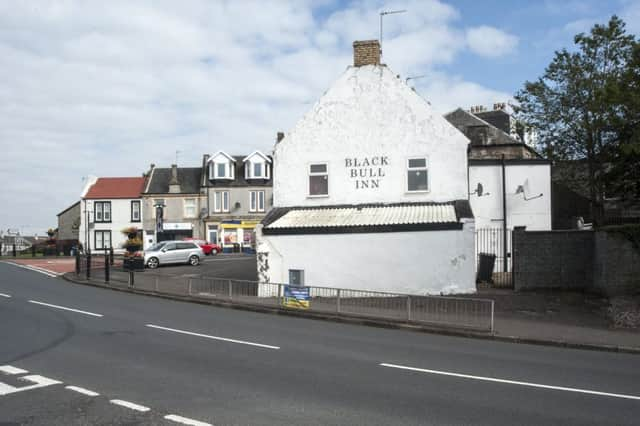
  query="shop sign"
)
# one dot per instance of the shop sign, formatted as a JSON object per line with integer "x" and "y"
{"x": 174, "y": 226}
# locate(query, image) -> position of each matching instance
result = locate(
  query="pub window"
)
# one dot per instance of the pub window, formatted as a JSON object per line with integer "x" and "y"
{"x": 417, "y": 175}
{"x": 296, "y": 277}
{"x": 318, "y": 179}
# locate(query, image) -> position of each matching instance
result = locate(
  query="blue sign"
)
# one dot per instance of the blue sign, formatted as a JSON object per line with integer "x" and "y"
{"x": 296, "y": 297}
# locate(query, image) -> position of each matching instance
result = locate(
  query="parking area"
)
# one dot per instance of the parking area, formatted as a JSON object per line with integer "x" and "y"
{"x": 231, "y": 266}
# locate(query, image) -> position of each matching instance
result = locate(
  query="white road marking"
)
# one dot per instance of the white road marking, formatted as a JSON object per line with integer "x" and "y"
{"x": 4, "y": 295}
{"x": 130, "y": 405}
{"x": 224, "y": 339}
{"x": 513, "y": 382}
{"x": 64, "y": 308}
{"x": 186, "y": 421}
{"x": 40, "y": 382}
{"x": 7, "y": 369}
{"x": 82, "y": 391}
{"x": 35, "y": 269}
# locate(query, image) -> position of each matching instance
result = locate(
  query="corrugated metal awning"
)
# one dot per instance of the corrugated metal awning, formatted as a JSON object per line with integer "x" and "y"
{"x": 366, "y": 216}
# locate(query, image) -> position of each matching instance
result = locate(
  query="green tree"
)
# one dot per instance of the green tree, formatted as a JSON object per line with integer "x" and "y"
{"x": 584, "y": 104}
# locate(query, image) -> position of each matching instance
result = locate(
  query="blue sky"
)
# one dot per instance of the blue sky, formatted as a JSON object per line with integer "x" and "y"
{"x": 106, "y": 88}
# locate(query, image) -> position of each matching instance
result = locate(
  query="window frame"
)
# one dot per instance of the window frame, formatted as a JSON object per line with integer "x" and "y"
{"x": 221, "y": 201}
{"x": 195, "y": 208}
{"x": 99, "y": 207}
{"x": 139, "y": 204}
{"x": 310, "y": 174}
{"x": 424, "y": 168}
{"x": 228, "y": 170}
{"x": 102, "y": 233}
{"x": 301, "y": 277}
{"x": 257, "y": 201}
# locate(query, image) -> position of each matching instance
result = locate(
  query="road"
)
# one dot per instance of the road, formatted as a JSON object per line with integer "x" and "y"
{"x": 156, "y": 361}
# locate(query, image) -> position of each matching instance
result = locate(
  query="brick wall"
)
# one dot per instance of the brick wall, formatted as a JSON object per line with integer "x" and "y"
{"x": 598, "y": 261}
{"x": 553, "y": 259}
{"x": 617, "y": 265}
{"x": 366, "y": 53}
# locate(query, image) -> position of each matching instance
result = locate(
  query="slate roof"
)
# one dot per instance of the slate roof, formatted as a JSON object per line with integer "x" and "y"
{"x": 367, "y": 218}
{"x": 239, "y": 176}
{"x": 116, "y": 187}
{"x": 188, "y": 178}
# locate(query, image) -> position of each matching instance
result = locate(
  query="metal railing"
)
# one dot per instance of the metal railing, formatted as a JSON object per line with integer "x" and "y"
{"x": 438, "y": 311}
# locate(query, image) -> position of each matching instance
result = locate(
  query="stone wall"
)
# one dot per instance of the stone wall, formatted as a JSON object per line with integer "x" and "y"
{"x": 553, "y": 259}
{"x": 600, "y": 261}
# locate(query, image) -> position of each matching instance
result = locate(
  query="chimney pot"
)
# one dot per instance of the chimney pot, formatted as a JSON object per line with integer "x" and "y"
{"x": 366, "y": 52}
{"x": 279, "y": 136}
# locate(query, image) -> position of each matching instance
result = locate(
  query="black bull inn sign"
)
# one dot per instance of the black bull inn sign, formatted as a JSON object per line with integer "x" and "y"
{"x": 368, "y": 171}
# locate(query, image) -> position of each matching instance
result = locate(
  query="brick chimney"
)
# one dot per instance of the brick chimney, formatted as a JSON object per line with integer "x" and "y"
{"x": 366, "y": 52}
{"x": 279, "y": 136}
{"x": 174, "y": 184}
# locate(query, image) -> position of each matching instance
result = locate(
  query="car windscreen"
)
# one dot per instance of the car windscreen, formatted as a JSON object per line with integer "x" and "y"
{"x": 156, "y": 247}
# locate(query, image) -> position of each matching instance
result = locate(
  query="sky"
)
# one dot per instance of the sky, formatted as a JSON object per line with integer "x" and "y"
{"x": 107, "y": 88}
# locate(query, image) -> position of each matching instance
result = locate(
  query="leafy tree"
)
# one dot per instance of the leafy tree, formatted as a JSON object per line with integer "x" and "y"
{"x": 585, "y": 105}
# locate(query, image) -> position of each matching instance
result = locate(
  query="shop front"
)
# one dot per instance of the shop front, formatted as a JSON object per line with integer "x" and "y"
{"x": 175, "y": 231}
{"x": 237, "y": 236}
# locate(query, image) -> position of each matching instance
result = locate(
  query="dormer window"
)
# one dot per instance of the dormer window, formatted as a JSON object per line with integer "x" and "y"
{"x": 221, "y": 166}
{"x": 256, "y": 166}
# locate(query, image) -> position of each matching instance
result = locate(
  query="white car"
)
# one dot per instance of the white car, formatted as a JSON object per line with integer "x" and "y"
{"x": 167, "y": 252}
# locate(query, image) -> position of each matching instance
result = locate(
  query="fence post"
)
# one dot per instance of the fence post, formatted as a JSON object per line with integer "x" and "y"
{"x": 88, "y": 265}
{"x": 33, "y": 250}
{"x": 408, "y": 308}
{"x": 14, "y": 249}
{"x": 492, "y": 302}
{"x": 230, "y": 290}
{"x": 106, "y": 266}
{"x": 338, "y": 301}
{"x": 131, "y": 279}
{"x": 111, "y": 255}
{"x": 279, "y": 294}
{"x": 77, "y": 263}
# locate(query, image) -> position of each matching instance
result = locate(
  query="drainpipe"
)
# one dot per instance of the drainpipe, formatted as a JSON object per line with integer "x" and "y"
{"x": 504, "y": 218}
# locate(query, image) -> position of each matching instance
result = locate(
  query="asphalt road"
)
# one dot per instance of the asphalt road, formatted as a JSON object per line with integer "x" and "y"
{"x": 224, "y": 366}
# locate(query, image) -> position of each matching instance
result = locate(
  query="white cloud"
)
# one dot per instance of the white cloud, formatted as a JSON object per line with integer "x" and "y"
{"x": 106, "y": 88}
{"x": 490, "y": 42}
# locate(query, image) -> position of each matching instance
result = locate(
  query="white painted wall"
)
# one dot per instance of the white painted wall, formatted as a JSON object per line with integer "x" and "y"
{"x": 424, "y": 262}
{"x": 120, "y": 219}
{"x": 534, "y": 214}
{"x": 368, "y": 112}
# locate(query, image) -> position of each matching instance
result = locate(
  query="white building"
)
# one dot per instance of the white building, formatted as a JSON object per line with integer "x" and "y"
{"x": 370, "y": 192}
{"x": 108, "y": 205}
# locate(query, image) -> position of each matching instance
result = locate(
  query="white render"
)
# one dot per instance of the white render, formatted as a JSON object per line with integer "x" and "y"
{"x": 419, "y": 262}
{"x": 369, "y": 112}
{"x": 120, "y": 219}
{"x": 370, "y": 123}
{"x": 535, "y": 179}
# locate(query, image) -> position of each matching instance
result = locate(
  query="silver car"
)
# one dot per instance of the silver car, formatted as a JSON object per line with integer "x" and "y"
{"x": 167, "y": 252}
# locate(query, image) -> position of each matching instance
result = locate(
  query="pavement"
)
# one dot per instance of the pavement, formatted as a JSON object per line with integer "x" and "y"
{"x": 74, "y": 355}
{"x": 569, "y": 319}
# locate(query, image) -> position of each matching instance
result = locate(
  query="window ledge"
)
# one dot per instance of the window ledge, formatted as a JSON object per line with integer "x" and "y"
{"x": 318, "y": 196}
{"x": 417, "y": 192}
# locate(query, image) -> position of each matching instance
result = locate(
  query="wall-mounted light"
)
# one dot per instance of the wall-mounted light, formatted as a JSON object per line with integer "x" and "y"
{"x": 237, "y": 205}
{"x": 479, "y": 191}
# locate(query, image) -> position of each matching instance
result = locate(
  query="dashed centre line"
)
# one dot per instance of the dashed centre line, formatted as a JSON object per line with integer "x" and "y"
{"x": 130, "y": 405}
{"x": 186, "y": 421}
{"x": 65, "y": 308}
{"x": 512, "y": 382}
{"x": 206, "y": 336}
{"x": 82, "y": 390}
{"x": 4, "y": 295}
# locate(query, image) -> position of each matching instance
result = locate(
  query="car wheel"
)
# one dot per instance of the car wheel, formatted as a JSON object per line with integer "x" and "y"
{"x": 213, "y": 252}
{"x": 194, "y": 260}
{"x": 152, "y": 263}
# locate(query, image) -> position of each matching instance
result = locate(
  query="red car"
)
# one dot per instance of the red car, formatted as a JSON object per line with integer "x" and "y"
{"x": 207, "y": 247}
